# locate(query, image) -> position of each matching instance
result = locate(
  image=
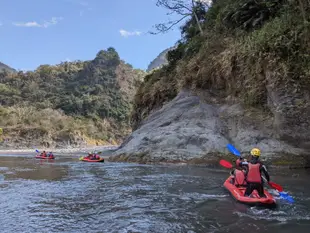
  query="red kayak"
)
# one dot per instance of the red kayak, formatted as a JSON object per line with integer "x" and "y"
{"x": 254, "y": 199}
{"x": 93, "y": 160}
{"x": 42, "y": 157}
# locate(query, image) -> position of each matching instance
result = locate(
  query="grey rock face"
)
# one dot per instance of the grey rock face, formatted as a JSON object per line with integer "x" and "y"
{"x": 188, "y": 128}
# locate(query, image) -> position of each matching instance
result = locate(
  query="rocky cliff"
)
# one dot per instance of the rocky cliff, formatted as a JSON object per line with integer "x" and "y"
{"x": 196, "y": 128}
{"x": 245, "y": 81}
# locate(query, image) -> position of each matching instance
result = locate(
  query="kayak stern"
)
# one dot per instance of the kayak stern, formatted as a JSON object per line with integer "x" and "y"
{"x": 254, "y": 199}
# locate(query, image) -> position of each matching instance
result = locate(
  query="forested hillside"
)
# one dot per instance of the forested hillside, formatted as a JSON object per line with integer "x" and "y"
{"x": 76, "y": 103}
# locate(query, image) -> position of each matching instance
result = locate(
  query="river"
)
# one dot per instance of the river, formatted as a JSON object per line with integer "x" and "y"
{"x": 67, "y": 195}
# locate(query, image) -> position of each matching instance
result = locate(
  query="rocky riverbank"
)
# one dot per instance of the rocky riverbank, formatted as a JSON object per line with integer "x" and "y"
{"x": 61, "y": 150}
{"x": 196, "y": 129}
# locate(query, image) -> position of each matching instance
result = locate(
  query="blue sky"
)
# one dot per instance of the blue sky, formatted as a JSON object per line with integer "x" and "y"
{"x": 35, "y": 32}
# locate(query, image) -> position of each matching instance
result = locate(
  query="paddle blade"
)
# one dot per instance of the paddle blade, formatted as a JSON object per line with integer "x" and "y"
{"x": 37, "y": 151}
{"x": 276, "y": 186}
{"x": 286, "y": 197}
{"x": 81, "y": 158}
{"x": 233, "y": 150}
{"x": 225, "y": 163}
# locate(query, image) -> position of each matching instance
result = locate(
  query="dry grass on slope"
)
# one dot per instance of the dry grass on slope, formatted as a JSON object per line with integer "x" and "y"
{"x": 238, "y": 62}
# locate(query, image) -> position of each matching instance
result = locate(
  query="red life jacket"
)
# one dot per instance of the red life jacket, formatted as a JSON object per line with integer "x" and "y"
{"x": 254, "y": 175}
{"x": 239, "y": 178}
{"x": 238, "y": 161}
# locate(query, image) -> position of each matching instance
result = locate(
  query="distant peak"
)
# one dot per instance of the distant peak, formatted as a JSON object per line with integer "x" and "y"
{"x": 4, "y": 67}
{"x": 160, "y": 60}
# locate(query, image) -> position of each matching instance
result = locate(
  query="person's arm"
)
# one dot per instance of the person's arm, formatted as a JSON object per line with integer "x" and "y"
{"x": 244, "y": 166}
{"x": 244, "y": 163}
{"x": 264, "y": 170}
{"x": 238, "y": 162}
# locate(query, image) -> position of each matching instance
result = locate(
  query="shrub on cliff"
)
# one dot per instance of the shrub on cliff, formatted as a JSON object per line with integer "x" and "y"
{"x": 246, "y": 45}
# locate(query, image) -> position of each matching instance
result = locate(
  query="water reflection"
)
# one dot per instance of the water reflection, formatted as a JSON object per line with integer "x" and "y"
{"x": 31, "y": 168}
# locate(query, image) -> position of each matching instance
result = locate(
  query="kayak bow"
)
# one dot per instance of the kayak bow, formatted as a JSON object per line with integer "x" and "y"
{"x": 42, "y": 157}
{"x": 92, "y": 160}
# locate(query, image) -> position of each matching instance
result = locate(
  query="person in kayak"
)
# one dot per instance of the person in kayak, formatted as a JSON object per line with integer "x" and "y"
{"x": 253, "y": 174}
{"x": 89, "y": 156}
{"x": 239, "y": 173}
{"x": 95, "y": 156}
{"x": 50, "y": 155}
{"x": 43, "y": 154}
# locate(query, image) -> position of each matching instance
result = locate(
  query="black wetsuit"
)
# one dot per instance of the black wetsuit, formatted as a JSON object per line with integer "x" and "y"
{"x": 251, "y": 186}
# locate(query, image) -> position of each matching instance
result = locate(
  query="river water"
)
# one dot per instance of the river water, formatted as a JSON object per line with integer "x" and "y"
{"x": 67, "y": 195}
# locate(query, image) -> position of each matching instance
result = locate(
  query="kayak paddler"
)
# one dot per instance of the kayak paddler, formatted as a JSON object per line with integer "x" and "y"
{"x": 43, "y": 154}
{"x": 254, "y": 170}
{"x": 95, "y": 156}
{"x": 89, "y": 156}
{"x": 239, "y": 173}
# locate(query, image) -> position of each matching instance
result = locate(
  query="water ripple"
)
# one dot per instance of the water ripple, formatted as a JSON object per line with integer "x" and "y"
{"x": 70, "y": 196}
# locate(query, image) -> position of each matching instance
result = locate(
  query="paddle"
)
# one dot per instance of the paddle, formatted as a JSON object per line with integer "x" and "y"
{"x": 39, "y": 154}
{"x": 273, "y": 185}
{"x": 278, "y": 187}
{"x": 233, "y": 150}
{"x": 284, "y": 195}
{"x": 225, "y": 163}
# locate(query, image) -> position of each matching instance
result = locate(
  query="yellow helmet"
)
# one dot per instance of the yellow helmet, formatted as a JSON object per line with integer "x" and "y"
{"x": 255, "y": 152}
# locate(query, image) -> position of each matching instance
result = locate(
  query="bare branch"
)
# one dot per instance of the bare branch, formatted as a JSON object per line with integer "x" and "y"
{"x": 184, "y": 8}
{"x": 163, "y": 28}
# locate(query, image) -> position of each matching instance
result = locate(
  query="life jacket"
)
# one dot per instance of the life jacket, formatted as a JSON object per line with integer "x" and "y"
{"x": 97, "y": 157}
{"x": 254, "y": 175}
{"x": 238, "y": 161}
{"x": 239, "y": 178}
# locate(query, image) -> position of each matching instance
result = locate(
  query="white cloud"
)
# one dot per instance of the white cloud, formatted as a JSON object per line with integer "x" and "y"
{"x": 27, "y": 24}
{"x": 44, "y": 24}
{"x": 125, "y": 33}
{"x": 83, "y": 3}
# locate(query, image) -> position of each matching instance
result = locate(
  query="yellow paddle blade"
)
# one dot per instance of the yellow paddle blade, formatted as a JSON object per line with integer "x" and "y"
{"x": 81, "y": 158}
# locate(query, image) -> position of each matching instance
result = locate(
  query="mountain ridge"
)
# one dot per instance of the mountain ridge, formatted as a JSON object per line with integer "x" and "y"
{"x": 160, "y": 60}
{"x": 75, "y": 103}
{"x": 4, "y": 67}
